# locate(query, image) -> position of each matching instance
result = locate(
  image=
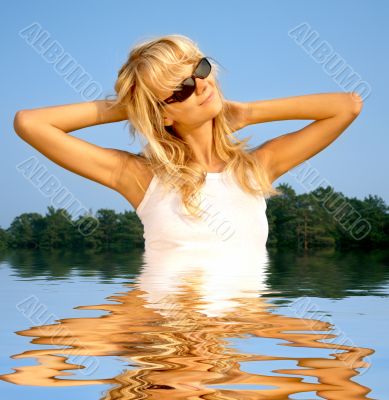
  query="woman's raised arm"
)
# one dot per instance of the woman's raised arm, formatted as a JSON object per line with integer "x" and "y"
{"x": 332, "y": 112}
{"x": 47, "y": 130}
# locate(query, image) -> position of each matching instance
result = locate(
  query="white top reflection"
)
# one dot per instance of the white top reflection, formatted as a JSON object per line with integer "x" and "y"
{"x": 220, "y": 276}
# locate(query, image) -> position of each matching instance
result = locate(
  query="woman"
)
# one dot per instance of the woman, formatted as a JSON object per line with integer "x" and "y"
{"x": 168, "y": 91}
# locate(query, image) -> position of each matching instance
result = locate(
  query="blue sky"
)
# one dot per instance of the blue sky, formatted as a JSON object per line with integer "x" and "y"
{"x": 251, "y": 39}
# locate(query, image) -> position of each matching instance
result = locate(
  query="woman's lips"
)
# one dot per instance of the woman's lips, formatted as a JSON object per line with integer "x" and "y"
{"x": 209, "y": 98}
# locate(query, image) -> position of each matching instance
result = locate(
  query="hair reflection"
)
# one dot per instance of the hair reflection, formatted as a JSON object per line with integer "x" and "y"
{"x": 173, "y": 326}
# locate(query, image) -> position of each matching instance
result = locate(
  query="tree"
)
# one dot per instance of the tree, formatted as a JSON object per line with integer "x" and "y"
{"x": 25, "y": 230}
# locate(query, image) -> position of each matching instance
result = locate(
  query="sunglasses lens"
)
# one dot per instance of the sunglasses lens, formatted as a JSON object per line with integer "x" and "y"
{"x": 203, "y": 69}
{"x": 188, "y": 87}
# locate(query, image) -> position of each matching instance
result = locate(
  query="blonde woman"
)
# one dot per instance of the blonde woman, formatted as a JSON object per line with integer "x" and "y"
{"x": 195, "y": 183}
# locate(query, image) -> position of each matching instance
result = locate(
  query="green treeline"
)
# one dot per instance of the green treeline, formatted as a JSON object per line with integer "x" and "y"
{"x": 321, "y": 218}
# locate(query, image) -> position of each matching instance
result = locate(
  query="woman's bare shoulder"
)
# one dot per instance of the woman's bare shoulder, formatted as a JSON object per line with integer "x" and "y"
{"x": 133, "y": 176}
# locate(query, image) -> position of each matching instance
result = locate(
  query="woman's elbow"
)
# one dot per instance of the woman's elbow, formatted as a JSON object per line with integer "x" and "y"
{"x": 356, "y": 103}
{"x": 22, "y": 121}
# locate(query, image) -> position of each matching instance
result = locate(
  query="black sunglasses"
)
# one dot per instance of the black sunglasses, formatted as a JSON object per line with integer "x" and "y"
{"x": 188, "y": 86}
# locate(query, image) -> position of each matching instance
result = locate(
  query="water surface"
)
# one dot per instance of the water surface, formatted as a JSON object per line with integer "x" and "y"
{"x": 194, "y": 324}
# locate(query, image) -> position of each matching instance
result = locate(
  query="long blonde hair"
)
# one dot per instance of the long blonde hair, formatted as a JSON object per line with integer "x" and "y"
{"x": 162, "y": 60}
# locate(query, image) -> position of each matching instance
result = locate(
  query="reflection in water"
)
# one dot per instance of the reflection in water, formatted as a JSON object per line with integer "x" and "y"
{"x": 173, "y": 326}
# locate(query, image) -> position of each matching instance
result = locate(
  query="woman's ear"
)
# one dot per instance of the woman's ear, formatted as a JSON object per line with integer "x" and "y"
{"x": 167, "y": 121}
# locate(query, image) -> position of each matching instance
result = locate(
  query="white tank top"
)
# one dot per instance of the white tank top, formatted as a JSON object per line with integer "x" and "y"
{"x": 231, "y": 217}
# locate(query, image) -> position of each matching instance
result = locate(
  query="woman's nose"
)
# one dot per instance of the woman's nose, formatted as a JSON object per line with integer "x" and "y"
{"x": 201, "y": 85}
